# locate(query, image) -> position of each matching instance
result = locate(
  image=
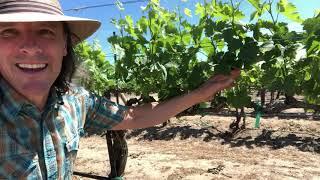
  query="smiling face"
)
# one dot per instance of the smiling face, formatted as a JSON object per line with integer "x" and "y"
{"x": 31, "y": 56}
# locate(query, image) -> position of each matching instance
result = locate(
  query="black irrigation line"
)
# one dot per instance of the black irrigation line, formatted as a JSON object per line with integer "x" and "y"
{"x": 90, "y": 176}
{"x": 302, "y": 116}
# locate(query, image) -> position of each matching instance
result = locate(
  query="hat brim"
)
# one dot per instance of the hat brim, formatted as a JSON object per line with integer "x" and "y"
{"x": 82, "y": 28}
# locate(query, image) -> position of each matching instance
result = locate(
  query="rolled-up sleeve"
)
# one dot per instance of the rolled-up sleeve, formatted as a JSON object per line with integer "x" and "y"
{"x": 103, "y": 113}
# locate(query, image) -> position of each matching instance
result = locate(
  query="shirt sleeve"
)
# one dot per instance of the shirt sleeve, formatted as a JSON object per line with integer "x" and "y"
{"x": 96, "y": 113}
{"x": 103, "y": 113}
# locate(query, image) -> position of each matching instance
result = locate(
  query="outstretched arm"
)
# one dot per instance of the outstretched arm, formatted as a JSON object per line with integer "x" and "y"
{"x": 155, "y": 113}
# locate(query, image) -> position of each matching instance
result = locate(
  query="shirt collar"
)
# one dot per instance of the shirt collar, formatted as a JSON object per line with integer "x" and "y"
{"x": 12, "y": 102}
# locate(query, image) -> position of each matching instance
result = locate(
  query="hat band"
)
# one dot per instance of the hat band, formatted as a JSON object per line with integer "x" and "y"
{"x": 28, "y": 6}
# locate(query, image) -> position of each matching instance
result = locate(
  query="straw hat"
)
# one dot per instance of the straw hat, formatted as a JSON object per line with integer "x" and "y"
{"x": 45, "y": 10}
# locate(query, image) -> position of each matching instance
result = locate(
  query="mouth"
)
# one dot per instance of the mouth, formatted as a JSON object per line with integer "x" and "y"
{"x": 31, "y": 67}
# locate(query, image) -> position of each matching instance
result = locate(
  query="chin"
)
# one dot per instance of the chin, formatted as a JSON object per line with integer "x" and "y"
{"x": 36, "y": 87}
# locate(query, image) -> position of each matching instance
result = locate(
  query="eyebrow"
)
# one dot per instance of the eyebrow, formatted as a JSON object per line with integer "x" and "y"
{"x": 50, "y": 24}
{"x": 6, "y": 24}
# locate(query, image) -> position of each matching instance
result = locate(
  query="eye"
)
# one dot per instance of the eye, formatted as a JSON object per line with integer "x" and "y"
{"x": 47, "y": 33}
{"x": 8, "y": 33}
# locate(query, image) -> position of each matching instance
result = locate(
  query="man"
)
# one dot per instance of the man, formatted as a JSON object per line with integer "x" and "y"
{"x": 41, "y": 115}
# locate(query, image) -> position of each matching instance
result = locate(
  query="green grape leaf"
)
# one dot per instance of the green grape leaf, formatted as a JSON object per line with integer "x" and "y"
{"x": 200, "y": 10}
{"x": 289, "y": 10}
{"x": 255, "y": 3}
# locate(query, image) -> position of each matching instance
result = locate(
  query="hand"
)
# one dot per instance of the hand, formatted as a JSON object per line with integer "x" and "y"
{"x": 215, "y": 84}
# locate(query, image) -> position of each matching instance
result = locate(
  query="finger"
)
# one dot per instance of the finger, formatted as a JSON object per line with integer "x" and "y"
{"x": 235, "y": 70}
{"x": 231, "y": 84}
{"x": 235, "y": 73}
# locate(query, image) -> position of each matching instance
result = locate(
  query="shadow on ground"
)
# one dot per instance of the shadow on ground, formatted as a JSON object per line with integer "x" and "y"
{"x": 250, "y": 138}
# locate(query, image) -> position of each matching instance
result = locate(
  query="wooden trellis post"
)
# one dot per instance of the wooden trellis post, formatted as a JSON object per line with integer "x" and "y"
{"x": 117, "y": 144}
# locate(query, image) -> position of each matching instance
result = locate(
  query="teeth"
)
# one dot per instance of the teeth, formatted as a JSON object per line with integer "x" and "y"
{"x": 32, "y": 66}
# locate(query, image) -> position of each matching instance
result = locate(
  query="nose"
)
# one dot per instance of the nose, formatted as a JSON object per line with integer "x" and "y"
{"x": 30, "y": 45}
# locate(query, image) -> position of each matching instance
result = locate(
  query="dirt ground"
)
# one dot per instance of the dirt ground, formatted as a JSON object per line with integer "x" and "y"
{"x": 197, "y": 147}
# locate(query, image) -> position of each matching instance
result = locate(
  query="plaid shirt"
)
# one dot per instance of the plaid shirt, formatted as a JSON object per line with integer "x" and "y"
{"x": 43, "y": 145}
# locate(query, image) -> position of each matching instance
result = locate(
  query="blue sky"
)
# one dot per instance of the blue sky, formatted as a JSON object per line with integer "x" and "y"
{"x": 105, "y": 14}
